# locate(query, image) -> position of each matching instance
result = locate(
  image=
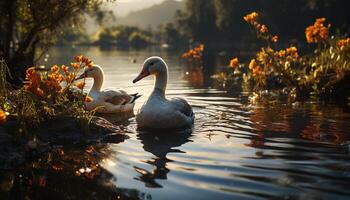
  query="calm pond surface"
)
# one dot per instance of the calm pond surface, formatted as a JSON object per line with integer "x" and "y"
{"x": 235, "y": 151}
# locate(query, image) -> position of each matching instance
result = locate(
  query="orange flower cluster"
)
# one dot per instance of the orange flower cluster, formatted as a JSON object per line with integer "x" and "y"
{"x": 253, "y": 65}
{"x": 317, "y": 32}
{"x": 45, "y": 84}
{"x": 292, "y": 52}
{"x": 82, "y": 59}
{"x": 274, "y": 39}
{"x": 194, "y": 54}
{"x": 2, "y": 116}
{"x": 262, "y": 29}
{"x": 265, "y": 56}
{"x": 251, "y": 18}
{"x": 268, "y": 57}
{"x": 234, "y": 63}
{"x": 344, "y": 44}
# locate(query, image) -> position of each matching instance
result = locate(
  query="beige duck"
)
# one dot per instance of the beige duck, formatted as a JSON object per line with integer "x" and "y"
{"x": 107, "y": 100}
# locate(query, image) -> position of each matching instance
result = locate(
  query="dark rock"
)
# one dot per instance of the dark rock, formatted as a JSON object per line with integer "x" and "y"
{"x": 69, "y": 130}
{"x": 16, "y": 149}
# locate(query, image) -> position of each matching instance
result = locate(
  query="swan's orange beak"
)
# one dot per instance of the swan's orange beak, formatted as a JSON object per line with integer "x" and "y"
{"x": 142, "y": 75}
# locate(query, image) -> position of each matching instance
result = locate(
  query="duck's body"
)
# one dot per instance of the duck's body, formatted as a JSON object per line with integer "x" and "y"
{"x": 107, "y": 100}
{"x": 158, "y": 112}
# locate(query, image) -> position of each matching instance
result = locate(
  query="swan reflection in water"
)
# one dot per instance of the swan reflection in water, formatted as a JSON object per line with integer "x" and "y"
{"x": 160, "y": 144}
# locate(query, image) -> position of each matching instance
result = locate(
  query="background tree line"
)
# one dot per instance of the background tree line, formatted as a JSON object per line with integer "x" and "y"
{"x": 220, "y": 21}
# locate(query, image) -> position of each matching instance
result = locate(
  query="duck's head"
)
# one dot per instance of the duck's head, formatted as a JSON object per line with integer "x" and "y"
{"x": 152, "y": 66}
{"x": 95, "y": 72}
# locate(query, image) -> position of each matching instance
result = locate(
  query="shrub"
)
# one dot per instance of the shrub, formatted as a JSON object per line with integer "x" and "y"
{"x": 285, "y": 71}
{"x": 194, "y": 56}
{"x": 46, "y": 94}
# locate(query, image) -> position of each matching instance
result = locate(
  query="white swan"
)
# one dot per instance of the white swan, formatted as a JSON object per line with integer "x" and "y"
{"x": 158, "y": 112}
{"x": 108, "y": 100}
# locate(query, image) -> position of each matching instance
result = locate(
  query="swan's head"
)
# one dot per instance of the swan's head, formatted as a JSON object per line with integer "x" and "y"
{"x": 152, "y": 66}
{"x": 95, "y": 72}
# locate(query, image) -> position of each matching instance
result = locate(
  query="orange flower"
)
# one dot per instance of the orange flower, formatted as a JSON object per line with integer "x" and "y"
{"x": 54, "y": 69}
{"x": 343, "y": 44}
{"x": 55, "y": 76}
{"x": 65, "y": 69}
{"x": 194, "y": 54}
{"x": 2, "y": 116}
{"x": 84, "y": 59}
{"x": 264, "y": 29}
{"x": 201, "y": 47}
{"x": 75, "y": 65}
{"x": 88, "y": 99}
{"x": 80, "y": 85}
{"x": 252, "y": 64}
{"x": 317, "y": 32}
{"x": 78, "y": 58}
{"x": 89, "y": 63}
{"x": 293, "y": 52}
{"x": 70, "y": 77}
{"x": 274, "y": 39}
{"x": 282, "y": 53}
{"x": 251, "y": 18}
{"x": 234, "y": 63}
{"x": 256, "y": 70}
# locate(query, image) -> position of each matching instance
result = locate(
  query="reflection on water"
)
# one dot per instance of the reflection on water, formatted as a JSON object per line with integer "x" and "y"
{"x": 159, "y": 144}
{"x": 235, "y": 151}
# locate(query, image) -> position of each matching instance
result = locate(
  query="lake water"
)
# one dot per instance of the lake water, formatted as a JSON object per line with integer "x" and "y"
{"x": 235, "y": 151}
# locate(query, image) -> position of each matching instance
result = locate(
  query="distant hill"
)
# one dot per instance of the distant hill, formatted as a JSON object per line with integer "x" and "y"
{"x": 122, "y": 8}
{"x": 153, "y": 16}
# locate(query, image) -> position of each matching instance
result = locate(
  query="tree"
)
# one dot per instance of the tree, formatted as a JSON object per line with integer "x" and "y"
{"x": 199, "y": 20}
{"x": 220, "y": 21}
{"x": 27, "y": 26}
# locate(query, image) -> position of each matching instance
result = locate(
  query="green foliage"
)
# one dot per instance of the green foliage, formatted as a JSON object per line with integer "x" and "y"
{"x": 138, "y": 39}
{"x": 123, "y": 36}
{"x": 29, "y": 25}
{"x": 74, "y": 36}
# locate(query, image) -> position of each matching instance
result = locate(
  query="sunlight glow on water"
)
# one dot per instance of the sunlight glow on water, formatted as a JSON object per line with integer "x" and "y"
{"x": 235, "y": 150}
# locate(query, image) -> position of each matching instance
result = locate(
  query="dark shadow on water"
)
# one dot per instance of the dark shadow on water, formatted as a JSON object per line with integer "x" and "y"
{"x": 65, "y": 173}
{"x": 160, "y": 144}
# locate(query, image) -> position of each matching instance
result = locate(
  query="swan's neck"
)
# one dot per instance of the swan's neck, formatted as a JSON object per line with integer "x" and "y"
{"x": 161, "y": 81}
{"x": 98, "y": 82}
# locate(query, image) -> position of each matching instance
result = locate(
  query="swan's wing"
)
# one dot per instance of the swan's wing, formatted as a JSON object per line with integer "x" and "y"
{"x": 116, "y": 97}
{"x": 182, "y": 106}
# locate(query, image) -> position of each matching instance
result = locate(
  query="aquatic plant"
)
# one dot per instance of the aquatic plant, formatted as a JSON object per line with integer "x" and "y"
{"x": 46, "y": 94}
{"x": 319, "y": 74}
{"x": 194, "y": 56}
{"x": 262, "y": 30}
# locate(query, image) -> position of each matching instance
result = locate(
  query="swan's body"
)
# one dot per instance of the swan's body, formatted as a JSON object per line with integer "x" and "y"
{"x": 107, "y": 100}
{"x": 158, "y": 112}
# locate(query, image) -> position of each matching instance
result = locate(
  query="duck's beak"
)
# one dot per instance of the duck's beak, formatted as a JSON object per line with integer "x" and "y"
{"x": 142, "y": 75}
